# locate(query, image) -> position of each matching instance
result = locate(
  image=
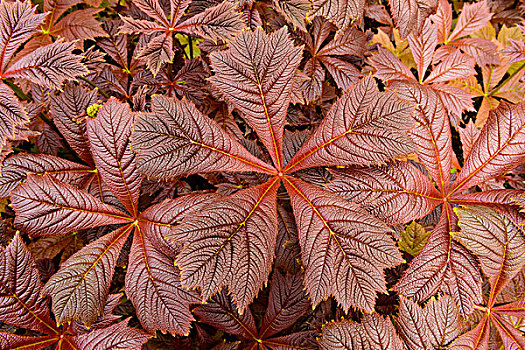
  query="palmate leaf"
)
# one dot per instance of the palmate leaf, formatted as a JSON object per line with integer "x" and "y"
{"x": 498, "y": 149}
{"x": 177, "y": 139}
{"x": 47, "y": 206}
{"x": 81, "y": 286}
{"x": 374, "y": 332}
{"x": 230, "y": 244}
{"x": 256, "y": 75}
{"x": 364, "y": 127}
{"x": 109, "y": 136}
{"x": 395, "y": 193}
{"x": 344, "y": 249}
{"x": 21, "y": 303}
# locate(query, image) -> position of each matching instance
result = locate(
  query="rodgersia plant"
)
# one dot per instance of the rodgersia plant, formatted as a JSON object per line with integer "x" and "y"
{"x": 262, "y": 174}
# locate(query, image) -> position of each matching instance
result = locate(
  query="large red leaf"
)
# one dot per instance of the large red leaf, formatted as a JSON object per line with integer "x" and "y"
{"x": 109, "y": 136}
{"x": 344, "y": 249}
{"x": 256, "y": 75}
{"x": 10, "y": 341}
{"x": 116, "y": 337}
{"x": 21, "y": 303}
{"x": 18, "y": 22}
{"x": 177, "y": 139}
{"x": 80, "y": 288}
{"x": 443, "y": 265}
{"x": 221, "y": 313}
{"x": 374, "y": 332}
{"x": 396, "y": 193}
{"x": 363, "y": 127}
{"x": 48, "y": 65}
{"x": 66, "y": 110}
{"x": 16, "y": 168}
{"x": 287, "y": 303}
{"x": 498, "y": 149}
{"x": 153, "y": 286}
{"x": 432, "y": 134}
{"x": 47, "y": 206}
{"x": 231, "y": 243}
{"x": 495, "y": 240}
{"x": 12, "y": 114}
{"x": 410, "y": 15}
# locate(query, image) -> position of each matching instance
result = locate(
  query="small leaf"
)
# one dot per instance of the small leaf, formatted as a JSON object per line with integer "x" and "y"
{"x": 413, "y": 238}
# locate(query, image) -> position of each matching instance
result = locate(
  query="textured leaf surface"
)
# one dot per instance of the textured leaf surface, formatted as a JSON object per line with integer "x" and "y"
{"x": 495, "y": 240}
{"x": 411, "y": 325}
{"x": 220, "y": 22}
{"x": 344, "y": 249}
{"x": 116, "y": 337}
{"x": 410, "y": 15}
{"x": 422, "y": 47}
{"x": 454, "y": 66}
{"x": 80, "y": 24}
{"x": 176, "y": 139}
{"x": 256, "y": 75}
{"x": 80, "y": 288}
{"x": 395, "y": 193}
{"x": 47, "y": 206}
{"x": 12, "y": 113}
{"x": 340, "y": 12}
{"x": 153, "y": 286}
{"x": 443, "y": 265}
{"x": 49, "y": 65}
{"x": 65, "y": 109}
{"x": 109, "y": 135}
{"x": 16, "y": 168}
{"x": 10, "y": 341}
{"x": 498, "y": 149}
{"x": 221, "y": 313}
{"x": 18, "y": 23}
{"x": 473, "y": 17}
{"x": 413, "y": 239}
{"x": 432, "y": 133}
{"x": 230, "y": 244}
{"x": 287, "y": 303}
{"x": 374, "y": 332}
{"x": 294, "y": 11}
{"x": 363, "y": 127}
{"x": 21, "y": 303}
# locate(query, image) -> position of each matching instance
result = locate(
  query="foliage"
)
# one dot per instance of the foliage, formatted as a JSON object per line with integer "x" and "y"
{"x": 293, "y": 174}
